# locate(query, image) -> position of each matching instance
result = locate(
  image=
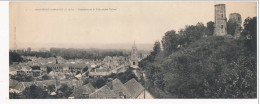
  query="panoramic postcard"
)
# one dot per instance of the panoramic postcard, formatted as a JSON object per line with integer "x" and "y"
{"x": 132, "y": 50}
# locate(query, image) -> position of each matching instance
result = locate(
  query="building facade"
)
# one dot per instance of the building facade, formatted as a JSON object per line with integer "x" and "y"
{"x": 220, "y": 27}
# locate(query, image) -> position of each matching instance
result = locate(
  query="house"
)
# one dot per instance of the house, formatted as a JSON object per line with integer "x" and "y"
{"x": 44, "y": 84}
{"x": 136, "y": 90}
{"x": 12, "y": 83}
{"x": 20, "y": 87}
{"x": 118, "y": 87}
{"x": 104, "y": 93}
{"x": 26, "y": 70}
{"x": 82, "y": 91}
{"x": 71, "y": 82}
{"x": 13, "y": 69}
{"x": 36, "y": 70}
{"x": 97, "y": 72}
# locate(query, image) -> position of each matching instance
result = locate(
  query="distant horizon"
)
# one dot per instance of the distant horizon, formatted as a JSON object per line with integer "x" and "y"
{"x": 124, "y": 46}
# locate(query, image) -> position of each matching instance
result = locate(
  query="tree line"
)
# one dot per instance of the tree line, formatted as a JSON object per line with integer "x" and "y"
{"x": 95, "y": 54}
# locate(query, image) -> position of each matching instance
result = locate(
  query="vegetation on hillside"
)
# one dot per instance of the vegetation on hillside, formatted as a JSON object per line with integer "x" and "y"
{"x": 193, "y": 66}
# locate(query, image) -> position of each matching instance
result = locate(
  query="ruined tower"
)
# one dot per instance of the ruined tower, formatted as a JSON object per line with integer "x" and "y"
{"x": 134, "y": 57}
{"x": 220, "y": 28}
{"x": 236, "y": 18}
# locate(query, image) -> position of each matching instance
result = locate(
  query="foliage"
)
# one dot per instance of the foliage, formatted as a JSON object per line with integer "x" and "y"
{"x": 86, "y": 81}
{"x": 213, "y": 67}
{"x": 34, "y": 92}
{"x": 51, "y": 88}
{"x": 193, "y": 33}
{"x": 85, "y": 69}
{"x": 126, "y": 76}
{"x": 65, "y": 90}
{"x": 13, "y": 95}
{"x": 153, "y": 54}
{"x": 250, "y": 33}
{"x": 85, "y": 53}
{"x": 23, "y": 78}
{"x": 170, "y": 41}
{"x": 46, "y": 77}
{"x": 231, "y": 27}
{"x": 99, "y": 82}
{"x": 210, "y": 28}
{"x": 123, "y": 76}
{"x": 156, "y": 48}
{"x": 14, "y": 57}
{"x": 210, "y": 67}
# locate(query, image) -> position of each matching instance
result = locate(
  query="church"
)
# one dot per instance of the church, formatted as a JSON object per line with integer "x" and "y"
{"x": 134, "y": 57}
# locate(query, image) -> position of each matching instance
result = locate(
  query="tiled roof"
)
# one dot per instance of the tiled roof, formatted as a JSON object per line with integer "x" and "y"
{"x": 45, "y": 83}
{"x": 118, "y": 87}
{"x": 71, "y": 82}
{"x": 80, "y": 90}
{"x": 88, "y": 88}
{"x": 12, "y": 83}
{"x": 134, "y": 88}
{"x": 103, "y": 93}
{"x": 66, "y": 65}
{"x": 98, "y": 73}
{"x": 22, "y": 85}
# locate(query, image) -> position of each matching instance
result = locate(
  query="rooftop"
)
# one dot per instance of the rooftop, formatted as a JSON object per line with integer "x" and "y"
{"x": 134, "y": 88}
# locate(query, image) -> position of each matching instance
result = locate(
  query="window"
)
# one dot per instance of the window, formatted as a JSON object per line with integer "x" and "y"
{"x": 221, "y": 26}
{"x": 133, "y": 63}
{"x": 221, "y": 15}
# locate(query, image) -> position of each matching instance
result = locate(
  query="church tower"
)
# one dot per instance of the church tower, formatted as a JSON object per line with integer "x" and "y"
{"x": 134, "y": 57}
{"x": 220, "y": 20}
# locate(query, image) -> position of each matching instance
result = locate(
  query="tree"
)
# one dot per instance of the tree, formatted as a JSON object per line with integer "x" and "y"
{"x": 194, "y": 33}
{"x": 13, "y": 95}
{"x": 170, "y": 41}
{"x": 14, "y": 57}
{"x": 45, "y": 77}
{"x": 231, "y": 27}
{"x": 28, "y": 78}
{"x": 86, "y": 81}
{"x": 210, "y": 28}
{"x": 156, "y": 48}
{"x": 51, "y": 88}
{"x": 250, "y": 33}
{"x": 34, "y": 92}
{"x": 126, "y": 76}
{"x": 66, "y": 91}
{"x": 85, "y": 69}
{"x": 99, "y": 82}
{"x": 155, "y": 52}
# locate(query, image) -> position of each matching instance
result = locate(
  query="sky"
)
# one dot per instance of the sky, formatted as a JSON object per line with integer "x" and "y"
{"x": 102, "y": 24}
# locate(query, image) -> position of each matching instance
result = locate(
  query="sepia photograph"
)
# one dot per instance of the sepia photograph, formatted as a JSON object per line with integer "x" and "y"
{"x": 133, "y": 50}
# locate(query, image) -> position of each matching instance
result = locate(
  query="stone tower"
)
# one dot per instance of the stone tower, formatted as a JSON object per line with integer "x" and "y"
{"x": 134, "y": 57}
{"x": 236, "y": 18}
{"x": 220, "y": 20}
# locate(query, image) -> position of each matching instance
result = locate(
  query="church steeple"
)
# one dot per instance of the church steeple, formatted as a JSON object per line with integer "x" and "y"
{"x": 134, "y": 56}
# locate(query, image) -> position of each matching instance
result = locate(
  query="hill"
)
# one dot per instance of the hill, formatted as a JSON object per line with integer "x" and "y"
{"x": 211, "y": 67}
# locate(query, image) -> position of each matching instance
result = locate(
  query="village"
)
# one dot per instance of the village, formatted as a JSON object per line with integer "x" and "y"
{"x": 53, "y": 73}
